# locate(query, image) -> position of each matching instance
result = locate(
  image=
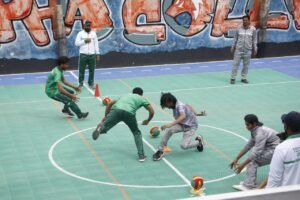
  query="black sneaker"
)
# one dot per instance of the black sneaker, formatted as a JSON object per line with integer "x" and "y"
{"x": 232, "y": 81}
{"x": 67, "y": 112}
{"x": 200, "y": 146}
{"x": 83, "y": 115}
{"x": 97, "y": 131}
{"x": 142, "y": 158}
{"x": 158, "y": 155}
{"x": 244, "y": 81}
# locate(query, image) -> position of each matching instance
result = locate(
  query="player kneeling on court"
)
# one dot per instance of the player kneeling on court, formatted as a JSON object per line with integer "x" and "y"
{"x": 185, "y": 121}
{"x": 262, "y": 143}
{"x": 56, "y": 90}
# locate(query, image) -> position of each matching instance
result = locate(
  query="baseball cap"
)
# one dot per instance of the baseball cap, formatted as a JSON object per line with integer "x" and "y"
{"x": 283, "y": 117}
{"x": 292, "y": 120}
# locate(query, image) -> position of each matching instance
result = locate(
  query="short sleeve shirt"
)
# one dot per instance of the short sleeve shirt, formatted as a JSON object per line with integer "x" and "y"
{"x": 131, "y": 103}
{"x": 190, "y": 120}
{"x": 55, "y": 76}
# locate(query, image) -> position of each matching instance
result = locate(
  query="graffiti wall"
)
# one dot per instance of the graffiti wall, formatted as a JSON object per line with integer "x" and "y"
{"x": 28, "y": 28}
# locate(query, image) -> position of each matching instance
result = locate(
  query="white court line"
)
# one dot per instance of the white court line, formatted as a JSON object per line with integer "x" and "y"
{"x": 294, "y": 60}
{"x": 18, "y": 78}
{"x": 203, "y": 66}
{"x": 227, "y": 86}
{"x": 105, "y": 73}
{"x": 146, "y": 70}
{"x": 126, "y": 71}
{"x": 165, "y": 69}
{"x": 178, "y": 90}
{"x": 34, "y": 101}
{"x": 91, "y": 91}
{"x": 23, "y": 102}
{"x": 187, "y": 181}
{"x": 161, "y": 65}
{"x": 276, "y": 61}
{"x": 150, "y": 146}
{"x": 184, "y": 67}
{"x": 57, "y": 166}
{"x": 224, "y": 130}
{"x": 258, "y": 63}
{"x": 41, "y": 77}
{"x": 170, "y": 165}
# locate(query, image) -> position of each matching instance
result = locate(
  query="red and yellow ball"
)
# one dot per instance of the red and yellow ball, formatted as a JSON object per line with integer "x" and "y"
{"x": 197, "y": 182}
{"x": 106, "y": 101}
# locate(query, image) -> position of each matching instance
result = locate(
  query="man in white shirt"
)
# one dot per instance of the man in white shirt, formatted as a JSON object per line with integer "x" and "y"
{"x": 285, "y": 164}
{"x": 88, "y": 52}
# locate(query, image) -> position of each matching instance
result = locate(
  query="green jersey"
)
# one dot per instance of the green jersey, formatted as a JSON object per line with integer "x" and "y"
{"x": 131, "y": 103}
{"x": 55, "y": 76}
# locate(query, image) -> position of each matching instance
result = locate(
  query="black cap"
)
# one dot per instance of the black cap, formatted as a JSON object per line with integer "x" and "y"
{"x": 292, "y": 121}
{"x": 283, "y": 117}
{"x": 87, "y": 22}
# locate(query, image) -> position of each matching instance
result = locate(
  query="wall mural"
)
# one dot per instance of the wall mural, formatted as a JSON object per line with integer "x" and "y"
{"x": 28, "y": 27}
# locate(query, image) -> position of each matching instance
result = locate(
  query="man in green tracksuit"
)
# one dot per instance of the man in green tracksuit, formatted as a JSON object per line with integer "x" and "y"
{"x": 124, "y": 109}
{"x": 56, "y": 90}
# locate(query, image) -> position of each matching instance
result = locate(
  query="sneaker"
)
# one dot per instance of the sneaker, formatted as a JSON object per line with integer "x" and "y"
{"x": 67, "y": 112}
{"x": 142, "y": 158}
{"x": 232, "y": 81}
{"x": 200, "y": 147}
{"x": 158, "y": 155}
{"x": 244, "y": 81}
{"x": 92, "y": 87}
{"x": 241, "y": 187}
{"x": 97, "y": 132}
{"x": 83, "y": 115}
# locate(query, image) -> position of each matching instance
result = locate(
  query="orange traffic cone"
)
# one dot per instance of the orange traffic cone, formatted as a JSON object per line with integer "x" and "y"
{"x": 167, "y": 149}
{"x": 97, "y": 91}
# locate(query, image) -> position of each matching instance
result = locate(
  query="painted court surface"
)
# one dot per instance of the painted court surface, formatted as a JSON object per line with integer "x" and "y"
{"x": 47, "y": 156}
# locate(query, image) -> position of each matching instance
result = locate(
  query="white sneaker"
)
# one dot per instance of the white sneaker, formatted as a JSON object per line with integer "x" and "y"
{"x": 142, "y": 158}
{"x": 240, "y": 187}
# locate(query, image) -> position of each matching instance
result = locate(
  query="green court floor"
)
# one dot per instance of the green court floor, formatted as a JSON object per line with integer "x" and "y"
{"x": 47, "y": 156}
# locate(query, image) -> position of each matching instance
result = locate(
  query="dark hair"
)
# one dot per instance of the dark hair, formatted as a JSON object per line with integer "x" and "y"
{"x": 292, "y": 121}
{"x": 252, "y": 119}
{"x": 62, "y": 60}
{"x": 167, "y": 97}
{"x": 138, "y": 91}
{"x": 87, "y": 23}
{"x": 246, "y": 16}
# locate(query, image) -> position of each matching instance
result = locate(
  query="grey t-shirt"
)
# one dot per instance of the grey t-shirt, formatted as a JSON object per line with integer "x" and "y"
{"x": 190, "y": 121}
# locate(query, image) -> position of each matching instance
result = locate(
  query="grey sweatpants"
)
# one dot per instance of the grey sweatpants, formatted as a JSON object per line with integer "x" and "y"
{"x": 187, "y": 141}
{"x": 238, "y": 56}
{"x": 264, "y": 159}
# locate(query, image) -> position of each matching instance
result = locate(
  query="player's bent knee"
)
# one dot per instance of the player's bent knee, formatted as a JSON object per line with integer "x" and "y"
{"x": 184, "y": 146}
